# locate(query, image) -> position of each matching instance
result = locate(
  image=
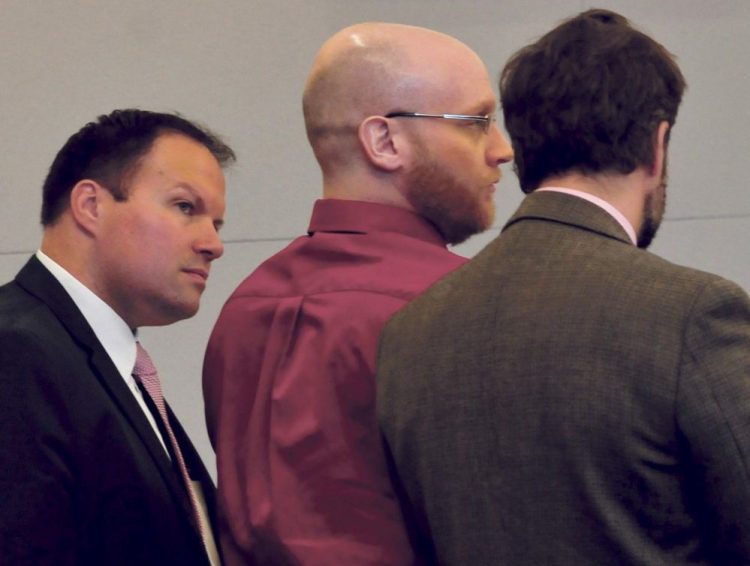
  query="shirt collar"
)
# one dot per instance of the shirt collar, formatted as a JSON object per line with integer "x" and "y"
{"x": 601, "y": 203}
{"x": 112, "y": 331}
{"x": 359, "y": 217}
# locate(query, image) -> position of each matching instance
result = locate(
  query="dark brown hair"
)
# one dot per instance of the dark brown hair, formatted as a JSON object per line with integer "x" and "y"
{"x": 108, "y": 150}
{"x": 588, "y": 97}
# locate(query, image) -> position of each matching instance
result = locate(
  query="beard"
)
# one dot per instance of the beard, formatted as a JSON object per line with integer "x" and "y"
{"x": 653, "y": 211}
{"x": 455, "y": 208}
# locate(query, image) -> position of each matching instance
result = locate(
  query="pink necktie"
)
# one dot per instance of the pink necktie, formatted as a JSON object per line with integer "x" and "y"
{"x": 145, "y": 372}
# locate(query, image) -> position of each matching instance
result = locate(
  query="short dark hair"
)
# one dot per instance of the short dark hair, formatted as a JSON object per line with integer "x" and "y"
{"x": 588, "y": 97}
{"x": 108, "y": 151}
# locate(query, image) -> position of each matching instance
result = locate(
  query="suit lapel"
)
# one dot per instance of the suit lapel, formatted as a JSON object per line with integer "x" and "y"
{"x": 196, "y": 468}
{"x": 570, "y": 210}
{"x": 38, "y": 281}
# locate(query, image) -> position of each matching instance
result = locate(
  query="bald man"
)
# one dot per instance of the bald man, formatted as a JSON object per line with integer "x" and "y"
{"x": 401, "y": 121}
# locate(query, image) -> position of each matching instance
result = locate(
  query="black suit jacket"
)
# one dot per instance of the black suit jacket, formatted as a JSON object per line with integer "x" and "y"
{"x": 83, "y": 477}
{"x": 567, "y": 398}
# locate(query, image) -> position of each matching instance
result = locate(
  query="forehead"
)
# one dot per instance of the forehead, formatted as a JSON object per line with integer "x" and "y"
{"x": 175, "y": 150}
{"x": 181, "y": 159}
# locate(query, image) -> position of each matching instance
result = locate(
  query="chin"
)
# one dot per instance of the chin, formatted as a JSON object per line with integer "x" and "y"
{"x": 173, "y": 313}
{"x": 188, "y": 312}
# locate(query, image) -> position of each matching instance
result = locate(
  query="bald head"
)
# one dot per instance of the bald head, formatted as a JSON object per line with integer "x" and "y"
{"x": 372, "y": 69}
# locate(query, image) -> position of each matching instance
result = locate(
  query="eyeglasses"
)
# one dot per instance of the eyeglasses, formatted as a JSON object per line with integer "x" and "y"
{"x": 485, "y": 121}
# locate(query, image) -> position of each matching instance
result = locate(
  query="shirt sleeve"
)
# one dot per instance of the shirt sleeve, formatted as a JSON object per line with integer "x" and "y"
{"x": 713, "y": 414}
{"x": 290, "y": 400}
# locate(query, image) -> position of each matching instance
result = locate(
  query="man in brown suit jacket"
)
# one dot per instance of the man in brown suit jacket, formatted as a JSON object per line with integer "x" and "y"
{"x": 568, "y": 397}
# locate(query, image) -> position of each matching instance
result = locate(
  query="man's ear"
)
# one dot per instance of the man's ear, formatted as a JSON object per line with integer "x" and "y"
{"x": 660, "y": 149}
{"x": 86, "y": 200}
{"x": 382, "y": 146}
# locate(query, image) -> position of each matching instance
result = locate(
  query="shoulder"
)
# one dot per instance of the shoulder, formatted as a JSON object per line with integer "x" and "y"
{"x": 33, "y": 341}
{"x": 14, "y": 299}
{"x": 719, "y": 304}
{"x": 378, "y": 264}
{"x": 36, "y": 348}
{"x": 40, "y": 376}
{"x": 669, "y": 281}
{"x": 24, "y": 317}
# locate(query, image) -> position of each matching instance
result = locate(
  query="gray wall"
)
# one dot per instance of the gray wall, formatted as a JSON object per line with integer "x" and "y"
{"x": 239, "y": 67}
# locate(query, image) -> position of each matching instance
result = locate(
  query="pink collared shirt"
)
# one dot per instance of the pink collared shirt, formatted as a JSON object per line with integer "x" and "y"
{"x": 601, "y": 203}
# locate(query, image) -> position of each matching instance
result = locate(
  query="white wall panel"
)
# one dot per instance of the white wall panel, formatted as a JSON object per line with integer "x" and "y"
{"x": 716, "y": 245}
{"x": 10, "y": 264}
{"x": 239, "y": 67}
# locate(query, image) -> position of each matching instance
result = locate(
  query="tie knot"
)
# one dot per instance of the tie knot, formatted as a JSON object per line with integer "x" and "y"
{"x": 144, "y": 366}
{"x": 145, "y": 372}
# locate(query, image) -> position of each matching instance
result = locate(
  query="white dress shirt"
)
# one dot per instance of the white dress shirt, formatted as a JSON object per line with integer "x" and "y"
{"x": 118, "y": 340}
{"x": 116, "y": 337}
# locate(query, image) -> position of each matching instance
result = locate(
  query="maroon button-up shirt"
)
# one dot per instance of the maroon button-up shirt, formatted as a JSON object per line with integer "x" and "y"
{"x": 289, "y": 384}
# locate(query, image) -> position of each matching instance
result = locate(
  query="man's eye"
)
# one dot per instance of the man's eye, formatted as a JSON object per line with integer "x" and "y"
{"x": 186, "y": 207}
{"x": 485, "y": 123}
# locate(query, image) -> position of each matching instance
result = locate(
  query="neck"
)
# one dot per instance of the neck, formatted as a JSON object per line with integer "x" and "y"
{"x": 627, "y": 193}
{"x": 67, "y": 251}
{"x": 366, "y": 189}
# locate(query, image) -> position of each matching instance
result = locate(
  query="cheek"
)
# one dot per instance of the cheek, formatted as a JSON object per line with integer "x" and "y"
{"x": 149, "y": 247}
{"x": 472, "y": 168}
{"x": 156, "y": 235}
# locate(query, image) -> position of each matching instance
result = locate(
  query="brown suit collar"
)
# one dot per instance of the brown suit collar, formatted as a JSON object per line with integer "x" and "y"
{"x": 571, "y": 210}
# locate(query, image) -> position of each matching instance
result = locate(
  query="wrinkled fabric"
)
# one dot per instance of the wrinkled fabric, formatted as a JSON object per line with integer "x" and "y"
{"x": 290, "y": 388}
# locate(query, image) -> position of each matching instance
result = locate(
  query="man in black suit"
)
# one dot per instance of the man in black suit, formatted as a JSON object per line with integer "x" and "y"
{"x": 89, "y": 471}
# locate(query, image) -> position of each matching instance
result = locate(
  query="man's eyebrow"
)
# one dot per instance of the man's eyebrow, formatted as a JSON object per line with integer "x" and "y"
{"x": 188, "y": 187}
{"x": 481, "y": 110}
{"x": 488, "y": 108}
